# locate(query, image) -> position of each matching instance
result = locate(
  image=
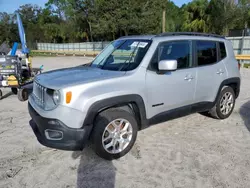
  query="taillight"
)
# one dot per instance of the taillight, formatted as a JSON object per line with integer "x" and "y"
{"x": 239, "y": 65}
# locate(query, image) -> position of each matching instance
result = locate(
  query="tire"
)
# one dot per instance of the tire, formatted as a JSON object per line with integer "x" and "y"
{"x": 216, "y": 111}
{"x": 25, "y": 74}
{"x": 102, "y": 122}
{"x": 1, "y": 94}
{"x": 22, "y": 94}
{"x": 14, "y": 90}
{"x": 206, "y": 114}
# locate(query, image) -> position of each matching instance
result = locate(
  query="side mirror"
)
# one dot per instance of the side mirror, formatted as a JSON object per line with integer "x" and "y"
{"x": 167, "y": 65}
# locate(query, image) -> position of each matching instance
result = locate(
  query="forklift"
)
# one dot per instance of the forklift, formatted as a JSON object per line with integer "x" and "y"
{"x": 16, "y": 71}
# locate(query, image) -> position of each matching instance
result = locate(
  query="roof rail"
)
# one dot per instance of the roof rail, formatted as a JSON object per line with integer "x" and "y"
{"x": 189, "y": 34}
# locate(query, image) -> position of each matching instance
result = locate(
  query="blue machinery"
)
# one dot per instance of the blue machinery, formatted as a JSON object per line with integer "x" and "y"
{"x": 25, "y": 50}
{"x": 14, "y": 73}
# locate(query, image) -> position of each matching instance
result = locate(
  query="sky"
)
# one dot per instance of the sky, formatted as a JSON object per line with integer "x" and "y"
{"x": 178, "y": 2}
{"x": 11, "y": 5}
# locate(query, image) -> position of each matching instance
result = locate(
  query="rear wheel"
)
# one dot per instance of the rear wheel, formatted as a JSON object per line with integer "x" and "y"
{"x": 23, "y": 94}
{"x": 225, "y": 104}
{"x": 114, "y": 134}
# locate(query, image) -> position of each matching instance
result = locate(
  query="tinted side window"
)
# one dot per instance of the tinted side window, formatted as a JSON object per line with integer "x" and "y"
{"x": 176, "y": 50}
{"x": 223, "y": 52}
{"x": 206, "y": 52}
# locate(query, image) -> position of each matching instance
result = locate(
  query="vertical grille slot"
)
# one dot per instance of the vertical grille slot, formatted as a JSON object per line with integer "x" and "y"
{"x": 39, "y": 93}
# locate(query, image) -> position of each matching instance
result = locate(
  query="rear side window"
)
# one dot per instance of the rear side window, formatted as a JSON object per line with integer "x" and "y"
{"x": 206, "y": 52}
{"x": 223, "y": 52}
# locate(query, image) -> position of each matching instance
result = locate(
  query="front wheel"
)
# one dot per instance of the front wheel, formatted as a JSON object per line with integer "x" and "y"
{"x": 225, "y": 104}
{"x": 114, "y": 134}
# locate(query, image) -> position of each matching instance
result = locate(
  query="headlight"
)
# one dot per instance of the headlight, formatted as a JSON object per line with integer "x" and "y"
{"x": 56, "y": 97}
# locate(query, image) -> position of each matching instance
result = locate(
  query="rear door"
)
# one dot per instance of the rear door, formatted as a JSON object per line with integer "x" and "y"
{"x": 210, "y": 70}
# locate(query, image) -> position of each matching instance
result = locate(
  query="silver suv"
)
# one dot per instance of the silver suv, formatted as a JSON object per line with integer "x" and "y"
{"x": 134, "y": 82}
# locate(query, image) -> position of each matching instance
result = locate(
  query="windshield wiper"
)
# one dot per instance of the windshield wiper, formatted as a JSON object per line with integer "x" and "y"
{"x": 131, "y": 55}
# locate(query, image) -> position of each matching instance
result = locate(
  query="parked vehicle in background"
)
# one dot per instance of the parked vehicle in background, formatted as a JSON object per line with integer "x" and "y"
{"x": 134, "y": 82}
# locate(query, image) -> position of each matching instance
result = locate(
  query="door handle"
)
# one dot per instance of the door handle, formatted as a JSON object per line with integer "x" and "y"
{"x": 220, "y": 72}
{"x": 189, "y": 78}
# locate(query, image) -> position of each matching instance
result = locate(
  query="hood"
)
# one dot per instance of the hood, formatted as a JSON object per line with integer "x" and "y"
{"x": 62, "y": 78}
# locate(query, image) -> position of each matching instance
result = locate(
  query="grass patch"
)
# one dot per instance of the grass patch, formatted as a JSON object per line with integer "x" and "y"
{"x": 42, "y": 54}
{"x": 246, "y": 65}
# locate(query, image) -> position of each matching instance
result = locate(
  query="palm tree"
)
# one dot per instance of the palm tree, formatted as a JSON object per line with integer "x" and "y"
{"x": 196, "y": 17}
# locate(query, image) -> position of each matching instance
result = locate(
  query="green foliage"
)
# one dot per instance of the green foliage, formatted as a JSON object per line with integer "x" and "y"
{"x": 246, "y": 65}
{"x": 39, "y": 54}
{"x": 196, "y": 17}
{"x": 227, "y": 18}
{"x": 100, "y": 20}
{"x": 244, "y": 13}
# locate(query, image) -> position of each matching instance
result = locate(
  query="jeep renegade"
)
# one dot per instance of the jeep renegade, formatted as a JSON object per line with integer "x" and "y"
{"x": 134, "y": 82}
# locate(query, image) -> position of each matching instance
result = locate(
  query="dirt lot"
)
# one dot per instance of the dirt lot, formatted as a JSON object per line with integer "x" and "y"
{"x": 193, "y": 151}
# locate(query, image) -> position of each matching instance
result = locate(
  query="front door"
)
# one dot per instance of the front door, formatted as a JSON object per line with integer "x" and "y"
{"x": 174, "y": 89}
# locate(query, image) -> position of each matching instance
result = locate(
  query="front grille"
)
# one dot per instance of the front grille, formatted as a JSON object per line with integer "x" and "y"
{"x": 39, "y": 93}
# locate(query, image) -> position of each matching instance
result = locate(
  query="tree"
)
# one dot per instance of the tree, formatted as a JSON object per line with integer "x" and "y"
{"x": 99, "y": 20}
{"x": 174, "y": 18}
{"x": 225, "y": 10}
{"x": 57, "y": 7}
{"x": 8, "y": 29}
{"x": 196, "y": 17}
{"x": 244, "y": 13}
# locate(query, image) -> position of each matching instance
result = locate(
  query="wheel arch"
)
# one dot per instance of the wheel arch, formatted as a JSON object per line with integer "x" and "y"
{"x": 132, "y": 103}
{"x": 232, "y": 82}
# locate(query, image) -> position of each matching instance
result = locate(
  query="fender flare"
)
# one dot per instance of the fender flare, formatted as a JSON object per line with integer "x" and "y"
{"x": 234, "y": 80}
{"x": 101, "y": 105}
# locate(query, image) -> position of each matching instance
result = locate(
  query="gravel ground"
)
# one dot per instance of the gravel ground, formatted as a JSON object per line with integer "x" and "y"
{"x": 193, "y": 151}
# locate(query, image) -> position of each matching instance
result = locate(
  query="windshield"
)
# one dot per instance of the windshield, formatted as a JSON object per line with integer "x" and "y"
{"x": 122, "y": 55}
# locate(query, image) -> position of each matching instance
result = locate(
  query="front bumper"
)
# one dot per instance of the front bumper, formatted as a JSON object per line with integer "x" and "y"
{"x": 53, "y": 133}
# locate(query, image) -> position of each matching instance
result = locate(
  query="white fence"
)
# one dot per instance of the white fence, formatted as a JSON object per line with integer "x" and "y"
{"x": 84, "y": 46}
{"x": 241, "y": 45}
